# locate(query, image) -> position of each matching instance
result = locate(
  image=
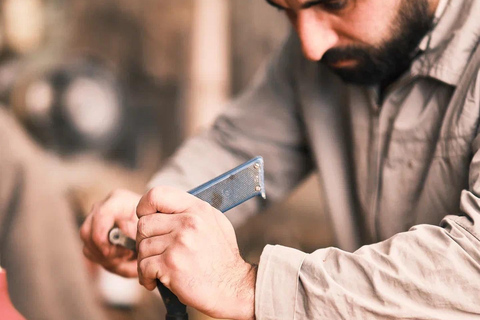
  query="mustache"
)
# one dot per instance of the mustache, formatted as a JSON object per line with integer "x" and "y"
{"x": 336, "y": 55}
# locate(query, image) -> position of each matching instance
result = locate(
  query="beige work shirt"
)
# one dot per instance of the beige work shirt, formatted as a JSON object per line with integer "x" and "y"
{"x": 400, "y": 175}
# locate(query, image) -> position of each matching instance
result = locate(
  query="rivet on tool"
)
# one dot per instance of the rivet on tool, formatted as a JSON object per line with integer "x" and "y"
{"x": 258, "y": 188}
{"x": 256, "y": 166}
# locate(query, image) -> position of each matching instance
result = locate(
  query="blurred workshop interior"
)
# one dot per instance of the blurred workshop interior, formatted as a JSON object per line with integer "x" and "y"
{"x": 108, "y": 89}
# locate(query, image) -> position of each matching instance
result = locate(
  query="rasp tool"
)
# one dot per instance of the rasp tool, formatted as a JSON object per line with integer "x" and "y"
{"x": 223, "y": 193}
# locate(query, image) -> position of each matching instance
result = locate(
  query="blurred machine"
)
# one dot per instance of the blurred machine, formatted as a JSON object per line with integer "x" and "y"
{"x": 72, "y": 102}
{"x": 73, "y": 108}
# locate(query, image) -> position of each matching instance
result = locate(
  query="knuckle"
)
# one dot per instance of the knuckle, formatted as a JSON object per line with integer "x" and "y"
{"x": 95, "y": 230}
{"x": 171, "y": 261}
{"x": 143, "y": 248}
{"x": 191, "y": 222}
{"x": 204, "y": 206}
{"x": 141, "y": 267}
{"x": 151, "y": 195}
{"x": 97, "y": 217}
{"x": 84, "y": 232}
{"x": 97, "y": 238}
{"x": 98, "y": 211}
{"x": 147, "y": 268}
{"x": 185, "y": 239}
{"x": 150, "y": 285}
{"x": 142, "y": 228}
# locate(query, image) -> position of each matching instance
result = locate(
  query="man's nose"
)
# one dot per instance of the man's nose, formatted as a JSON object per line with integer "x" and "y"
{"x": 315, "y": 34}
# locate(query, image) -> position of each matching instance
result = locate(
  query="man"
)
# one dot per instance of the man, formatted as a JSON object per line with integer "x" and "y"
{"x": 386, "y": 107}
{"x": 38, "y": 248}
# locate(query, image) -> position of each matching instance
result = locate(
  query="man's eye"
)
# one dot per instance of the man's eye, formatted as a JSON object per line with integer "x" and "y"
{"x": 334, "y": 5}
{"x": 275, "y": 5}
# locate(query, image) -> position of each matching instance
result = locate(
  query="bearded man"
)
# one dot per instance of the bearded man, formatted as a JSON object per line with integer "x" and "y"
{"x": 384, "y": 103}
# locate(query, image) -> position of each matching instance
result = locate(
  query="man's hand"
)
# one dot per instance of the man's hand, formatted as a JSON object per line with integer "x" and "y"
{"x": 117, "y": 209}
{"x": 191, "y": 248}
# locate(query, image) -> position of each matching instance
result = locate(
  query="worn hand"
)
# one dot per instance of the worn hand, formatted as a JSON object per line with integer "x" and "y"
{"x": 117, "y": 209}
{"x": 191, "y": 248}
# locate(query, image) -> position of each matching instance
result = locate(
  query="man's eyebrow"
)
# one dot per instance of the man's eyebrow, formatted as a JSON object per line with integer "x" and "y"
{"x": 305, "y": 5}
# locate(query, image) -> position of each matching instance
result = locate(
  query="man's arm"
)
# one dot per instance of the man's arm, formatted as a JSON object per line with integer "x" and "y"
{"x": 263, "y": 121}
{"x": 429, "y": 272}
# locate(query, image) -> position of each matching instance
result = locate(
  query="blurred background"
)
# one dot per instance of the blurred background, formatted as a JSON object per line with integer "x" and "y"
{"x": 110, "y": 88}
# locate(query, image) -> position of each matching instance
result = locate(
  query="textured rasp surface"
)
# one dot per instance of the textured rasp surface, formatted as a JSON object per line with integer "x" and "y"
{"x": 234, "y": 187}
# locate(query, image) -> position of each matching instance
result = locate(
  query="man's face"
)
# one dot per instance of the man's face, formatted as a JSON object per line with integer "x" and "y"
{"x": 363, "y": 41}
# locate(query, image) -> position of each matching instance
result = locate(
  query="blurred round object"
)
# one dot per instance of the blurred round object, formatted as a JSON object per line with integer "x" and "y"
{"x": 92, "y": 108}
{"x": 73, "y": 108}
{"x": 24, "y": 24}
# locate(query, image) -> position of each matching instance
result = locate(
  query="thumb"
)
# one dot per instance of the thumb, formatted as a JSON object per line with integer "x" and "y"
{"x": 128, "y": 227}
{"x": 166, "y": 200}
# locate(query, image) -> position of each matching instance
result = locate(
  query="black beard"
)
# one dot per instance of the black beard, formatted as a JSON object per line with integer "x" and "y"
{"x": 387, "y": 63}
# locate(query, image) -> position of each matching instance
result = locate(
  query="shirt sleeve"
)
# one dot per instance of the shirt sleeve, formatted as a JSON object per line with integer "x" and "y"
{"x": 428, "y": 272}
{"x": 264, "y": 121}
{"x": 39, "y": 244}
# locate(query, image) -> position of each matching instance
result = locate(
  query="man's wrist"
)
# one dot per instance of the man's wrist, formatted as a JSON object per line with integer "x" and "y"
{"x": 246, "y": 293}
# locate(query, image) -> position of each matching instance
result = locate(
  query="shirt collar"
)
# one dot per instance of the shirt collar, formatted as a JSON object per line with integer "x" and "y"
{"x": 447, "y": 48}
{"x": 442, "y": 5}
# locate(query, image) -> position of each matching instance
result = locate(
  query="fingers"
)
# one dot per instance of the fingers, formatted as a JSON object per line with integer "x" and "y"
{"x": 125, "y": 269}
{"x": 92, "y": 256}
{"x": 150, "y": 269}
{"x": 118, "y": 209}
{"x": 167, "y": 200}
{"x": 101, "y": 225}
{"x": 155, "y": 225}
{"x": 154, "y": 234}
{"x": 191, "y": 248}
{"x": 151, "y": 252}
{"x": 85, "y": 235}
{"x": 124, "y": 256}
{"x": 154, "y": 237}
{"x": 120, "y": 205}
{"x": 125, "y": 266}
{"x": 153, "y": 246}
